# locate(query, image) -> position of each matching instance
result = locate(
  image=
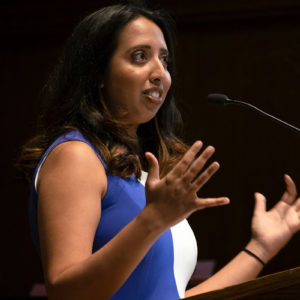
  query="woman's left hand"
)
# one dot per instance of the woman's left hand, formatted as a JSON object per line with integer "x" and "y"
{"x": 271, "y": 230}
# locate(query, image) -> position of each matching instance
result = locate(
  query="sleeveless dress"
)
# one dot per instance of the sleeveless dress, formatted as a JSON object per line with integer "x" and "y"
{"x": 167, "y": 267}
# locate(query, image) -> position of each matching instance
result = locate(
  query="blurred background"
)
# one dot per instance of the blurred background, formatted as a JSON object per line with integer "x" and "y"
{"x": 249, "y": 50}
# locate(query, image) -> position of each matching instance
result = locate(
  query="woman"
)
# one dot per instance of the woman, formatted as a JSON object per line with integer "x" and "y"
{"x": 101, "y": 234}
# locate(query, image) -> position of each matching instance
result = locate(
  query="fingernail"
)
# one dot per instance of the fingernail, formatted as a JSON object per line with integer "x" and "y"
{"x": 198, "y": 143}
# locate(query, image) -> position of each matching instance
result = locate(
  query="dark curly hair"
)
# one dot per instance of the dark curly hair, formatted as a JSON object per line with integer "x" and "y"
{"x": 71, "y": 98}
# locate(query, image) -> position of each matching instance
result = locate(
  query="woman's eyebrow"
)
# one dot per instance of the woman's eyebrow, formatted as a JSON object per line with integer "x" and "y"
{"x": 144, "y": 46}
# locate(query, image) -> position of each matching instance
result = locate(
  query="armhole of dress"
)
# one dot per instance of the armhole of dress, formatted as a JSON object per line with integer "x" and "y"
{"x": 38, "y": 171}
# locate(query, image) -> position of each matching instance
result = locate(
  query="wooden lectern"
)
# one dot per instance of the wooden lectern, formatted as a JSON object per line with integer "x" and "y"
{"x": 282, "y": 285}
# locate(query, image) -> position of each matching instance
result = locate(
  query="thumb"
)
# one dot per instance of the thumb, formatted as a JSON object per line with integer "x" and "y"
{"x": 153, "y": 168}
{"x": 260, "y": 203}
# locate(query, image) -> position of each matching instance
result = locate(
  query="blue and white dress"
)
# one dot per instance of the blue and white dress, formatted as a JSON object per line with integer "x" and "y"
{"x": 166, "y": 269}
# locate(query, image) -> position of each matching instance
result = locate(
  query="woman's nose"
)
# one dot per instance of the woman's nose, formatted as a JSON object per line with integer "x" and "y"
{"x": 157, "y": 72}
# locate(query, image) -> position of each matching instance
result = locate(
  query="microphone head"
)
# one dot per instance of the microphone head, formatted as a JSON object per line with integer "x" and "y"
{"x": 218, "y": 98}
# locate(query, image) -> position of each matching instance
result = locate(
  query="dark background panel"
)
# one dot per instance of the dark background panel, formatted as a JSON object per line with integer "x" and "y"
{"x": 248, "y": 50}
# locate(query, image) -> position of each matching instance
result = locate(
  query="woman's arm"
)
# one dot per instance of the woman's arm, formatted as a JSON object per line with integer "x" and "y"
{"x": 271, "y": 230}
{"x": 71, "y": 184}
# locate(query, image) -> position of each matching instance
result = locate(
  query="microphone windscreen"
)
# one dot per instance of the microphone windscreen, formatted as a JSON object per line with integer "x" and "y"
{"x": 217, "y": 98}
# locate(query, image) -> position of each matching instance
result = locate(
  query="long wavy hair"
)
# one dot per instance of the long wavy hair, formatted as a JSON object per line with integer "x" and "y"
{"x": 71, "y": 99}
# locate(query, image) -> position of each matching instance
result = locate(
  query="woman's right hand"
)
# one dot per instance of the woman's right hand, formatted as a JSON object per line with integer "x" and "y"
{"x": 174, "y": 197}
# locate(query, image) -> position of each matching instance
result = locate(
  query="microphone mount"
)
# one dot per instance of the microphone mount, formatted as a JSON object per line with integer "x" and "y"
{"x": 224, "y": 100}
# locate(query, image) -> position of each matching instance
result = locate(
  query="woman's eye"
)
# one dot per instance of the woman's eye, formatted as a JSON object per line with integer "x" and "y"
{"x": 139, "y": 57}
{"x": 165, "y": 60}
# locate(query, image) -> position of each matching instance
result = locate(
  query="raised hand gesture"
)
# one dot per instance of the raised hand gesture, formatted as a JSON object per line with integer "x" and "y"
{"x": 271, "y": 230}
{"x": 174, "y": 197}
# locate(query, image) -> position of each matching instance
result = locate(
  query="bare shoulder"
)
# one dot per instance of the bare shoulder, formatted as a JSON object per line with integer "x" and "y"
{"x": 74, "y": 161}
{"x": 70, "y": 187}
{"x": 75, "y": 151}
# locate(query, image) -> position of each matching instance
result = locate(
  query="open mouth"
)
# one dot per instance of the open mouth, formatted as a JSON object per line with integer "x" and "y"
{"x": 154, "y": 94}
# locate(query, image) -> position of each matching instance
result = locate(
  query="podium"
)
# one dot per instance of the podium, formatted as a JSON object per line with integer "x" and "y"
{"x": 282, "y": 285}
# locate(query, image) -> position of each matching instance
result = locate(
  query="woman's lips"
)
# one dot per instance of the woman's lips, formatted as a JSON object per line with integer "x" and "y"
{"x": 155, "y": 100}
{"x": 154, "y": 95}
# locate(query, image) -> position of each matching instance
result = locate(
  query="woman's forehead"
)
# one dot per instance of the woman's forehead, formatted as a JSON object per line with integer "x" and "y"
{"x": 141, "y": 31}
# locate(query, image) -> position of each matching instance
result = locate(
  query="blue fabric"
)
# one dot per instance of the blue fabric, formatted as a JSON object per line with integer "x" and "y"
{"x": 153, "y": 279}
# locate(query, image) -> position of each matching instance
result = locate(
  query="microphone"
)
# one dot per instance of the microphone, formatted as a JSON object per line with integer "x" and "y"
{"x": 224, "y": 100}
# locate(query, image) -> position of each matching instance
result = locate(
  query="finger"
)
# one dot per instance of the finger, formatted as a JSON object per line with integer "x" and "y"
{"x": 205, "y": 176}
{"x": 297, "y": 205}
{"x": 197, "y": 165}
{"x": 260, "y": 203}
{"x": 187, "y": 159}
{"x": 153, "y": 168}
{"x": 290, "y": 194}
{"x": 211, "y": 202}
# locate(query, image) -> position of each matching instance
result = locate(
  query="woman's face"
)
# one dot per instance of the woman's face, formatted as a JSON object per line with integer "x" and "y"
{"x": 138, "y": 79}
